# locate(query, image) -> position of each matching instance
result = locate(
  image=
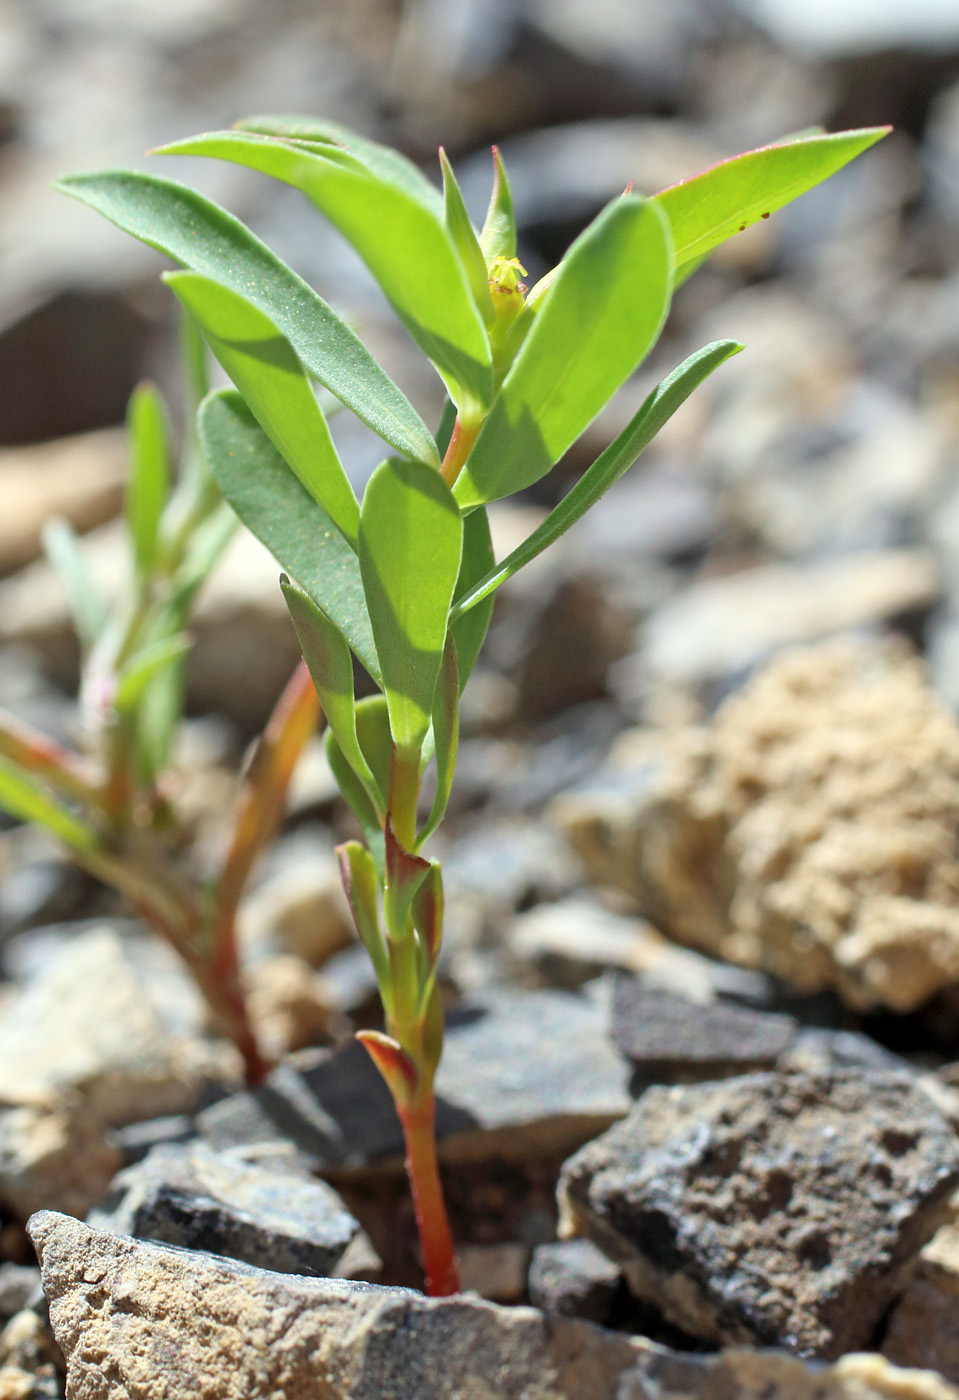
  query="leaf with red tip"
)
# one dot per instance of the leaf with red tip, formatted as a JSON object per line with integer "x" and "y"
{"x": 428, "y": 912}
{"x": 392, "y": 1061}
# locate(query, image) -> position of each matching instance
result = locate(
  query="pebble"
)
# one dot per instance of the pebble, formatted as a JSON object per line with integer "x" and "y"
{"x": 575, "y": 1278}
{"x": 783, "y": 1210}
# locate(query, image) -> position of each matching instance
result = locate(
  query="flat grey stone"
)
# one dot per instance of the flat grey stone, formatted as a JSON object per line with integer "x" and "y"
{"x": 18, "y": 1283}
{"x": 778, "y": 1209}
{"x": 137, "y": 1320}
{"x": 272, "y": 1218}
{"x": 668, "y": 1036}
{"x": 523, "y": 1074}
{"x": 575, "y": 1278}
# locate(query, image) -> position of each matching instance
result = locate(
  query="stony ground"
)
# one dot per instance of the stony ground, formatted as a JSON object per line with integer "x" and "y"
{"x": 699, "y": 1102}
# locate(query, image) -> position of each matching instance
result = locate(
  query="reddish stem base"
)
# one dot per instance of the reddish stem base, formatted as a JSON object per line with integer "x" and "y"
{"x": 439, "y": 1260}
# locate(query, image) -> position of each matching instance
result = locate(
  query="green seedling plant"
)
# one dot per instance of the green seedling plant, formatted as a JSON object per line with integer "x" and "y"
{"x": 403, "y": 581}
{"x": 111, "y": 803}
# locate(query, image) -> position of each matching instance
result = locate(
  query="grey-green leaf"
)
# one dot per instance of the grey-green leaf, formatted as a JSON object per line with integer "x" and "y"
{"x": 89, "y": 609}
{"x": 149, "y": 473}
{"x": 411, "y": 538}
{"x": 271, "y": 502}
{"x": 206, "y": 239}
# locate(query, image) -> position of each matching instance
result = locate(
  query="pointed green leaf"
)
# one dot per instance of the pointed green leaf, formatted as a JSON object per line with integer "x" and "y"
{"x": 446, "y": 714}
{"x": 405, "y": 247}
{"x": 383, "y": 161}
{"x": 470, "y": 627}
{"x": 411, "y": 538}
{"x": 25, "y": 798}
{"x": 708, "y": 208}
{"x": 263, "y": 366}
{"x": 206, "y": 239}
{"x": 90, "y": 611}
{"x": 659, "y": 406}
{"x": 358, "y": 871}
{"x": 149, "y": 473}
{"x": 498, "y": 238}
{"x": 144, "y": 667}
{"x": 274, "y": 506}
{"x": 376, "y": 742}
{"x": 602, "y": 314}
{"x": 327, "y": 654}
{"x": 461, "y": 231}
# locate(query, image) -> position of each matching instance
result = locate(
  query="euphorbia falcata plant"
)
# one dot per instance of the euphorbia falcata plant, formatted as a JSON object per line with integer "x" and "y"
{"x": 404, "y": 580}
{"x": 112, "y": 804}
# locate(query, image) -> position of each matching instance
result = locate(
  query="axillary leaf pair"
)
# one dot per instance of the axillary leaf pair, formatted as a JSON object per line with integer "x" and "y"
{"x": 403, "y": 581}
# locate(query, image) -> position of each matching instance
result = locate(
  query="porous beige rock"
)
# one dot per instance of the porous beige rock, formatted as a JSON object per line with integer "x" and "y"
{"x": 812, "y": 829}
{"x": 738, "y": 1374}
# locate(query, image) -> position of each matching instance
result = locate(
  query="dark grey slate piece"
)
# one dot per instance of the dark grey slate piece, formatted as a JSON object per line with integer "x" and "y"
{"x": 574, "y": 1278}
{"x": 191, "y": 1196}
{"x": 777, "y": 1209}
{"x": 669, "y": 1037}
{"x": 18, "y": 1284}
{"x": 522, "y": 1073}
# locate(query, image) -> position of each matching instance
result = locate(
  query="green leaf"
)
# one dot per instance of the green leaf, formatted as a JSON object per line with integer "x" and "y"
{"x": 461, "y": 231}
{"x": 149, "y": 473}
{"x": 382, "y": 161}
{"x": 446, "y": 712}
{"x": 147, "y": 664}
{"x": 206, "y": 239}
{"x": 708, "y": 208}
{"x": 600, "y": 317}
{"x": 90, "y": 611}
{"x": 263, "y": 366}
{"x": 411, "y": 539}
{"x": 274, "y": 506}
{"x": 28, "y": 800}
{"x": 327, "y": 654}
{"x": 498, "y": 238}
{"x": 376, "y": 742}
{"x": 415, "y": 263}
{"x": 358, "y": 870}
{"x": 470, "y": 628}
{"x": 659, "y": 406}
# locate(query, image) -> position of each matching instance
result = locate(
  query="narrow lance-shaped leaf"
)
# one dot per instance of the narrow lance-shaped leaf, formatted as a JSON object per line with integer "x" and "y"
{"x": 206, "y": 239}
{"x": 274, "y": 506}
{"x": 90, "y": 611}
{"x": 411, "y": 537}
{"x": 144, "y": 668}
{"x": 498, "y": 238}
{"x": 602, "y": 314}
{"x": 149, "y": 473}
{"x": 461, "y": 231}
{"x": 708, "y": 208}
{"x": 26, "y": 799}
{"x": 376, "y": 742}
{"x": 327, "y": 654}
{"x": 446, "y": 711}
{"x": 361, "y": 885}
{"x": 416, "y": 266}
{"x": 382, "y": 161}
{"x": 469, "y": 628}
{"x": 659, "y": 406}
{"x": 264, "y": 367}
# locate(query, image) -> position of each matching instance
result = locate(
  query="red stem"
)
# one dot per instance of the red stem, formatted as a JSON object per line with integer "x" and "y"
{"x": 460, "y": 446}
{"x": 439, "y": 1260}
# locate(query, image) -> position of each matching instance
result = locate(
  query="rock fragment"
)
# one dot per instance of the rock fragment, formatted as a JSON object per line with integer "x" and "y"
{"x": 575, "y": 1278}
{"x": 778, "y": 1209}
{"x": 924, "y": 1325}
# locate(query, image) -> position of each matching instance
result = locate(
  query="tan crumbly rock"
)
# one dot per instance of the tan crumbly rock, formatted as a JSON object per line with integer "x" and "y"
{"x": 812, "y": 829}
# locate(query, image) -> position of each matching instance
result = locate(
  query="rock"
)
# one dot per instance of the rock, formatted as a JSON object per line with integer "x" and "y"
{"x": 22, "y": 1385}
{"x": 289, "y": 1004}
{"x": 18, "y": 1283}
{"x": 670, "y": 1037}
{"x": 273, "y": 1218}
{"x": 145, "y": 1318}
{"x": 782, "y": 1210}
{"x": 136, "y": 1140}
{"x": 719, "y": 627}
{"x": 923, "y": 1327}
{"x": 523, "y": 1074}
{"x": 832, "y": 31}
{"x": 301, "y": 907}
{"x": 738, "y": 1374}
{"x": 815, "y": 1050}
{"x": 26, "y": 1342}
{"x": 78, "y": 478}
{"x": 574, "y": 1278}
{"x": 809, "y": 831}
{"x": 494, "y": 1271}
{"x": 53, "y": 1155}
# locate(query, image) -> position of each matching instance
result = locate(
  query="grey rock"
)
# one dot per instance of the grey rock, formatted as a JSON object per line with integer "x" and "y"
{"x": 818, "y": 1050}
{"x": 670, "y": 1037}
{"x": 523, "y": 1073}
{"x": 923, "y": 1326}
{"x": 575, "y": 1278}
{"x": 834, "y": 30}
{"x": 18, "y": 1283}
{"x": 779, "y": 1209}
{"x": 738, "y": 1374}
{"x": 191, "y": 1196}
{"x": 135, "y": 1140}
{"x": 137, "y": 1319}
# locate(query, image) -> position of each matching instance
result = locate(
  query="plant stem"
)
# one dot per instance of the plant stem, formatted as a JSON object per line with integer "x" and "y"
{"x": 464, "y": 434}
{"x": 439, "y": 1260}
